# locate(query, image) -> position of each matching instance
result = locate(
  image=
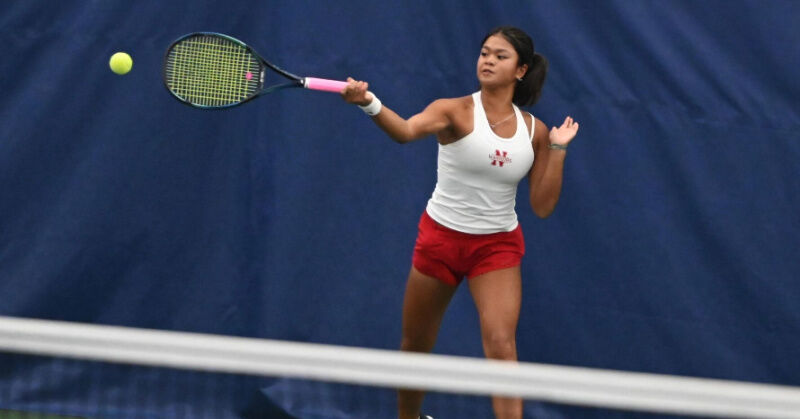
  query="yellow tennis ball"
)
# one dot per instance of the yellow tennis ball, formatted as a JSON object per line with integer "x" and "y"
{"x": 120, "y": 63}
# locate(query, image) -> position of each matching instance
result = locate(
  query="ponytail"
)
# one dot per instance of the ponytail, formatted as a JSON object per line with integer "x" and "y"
{"x": 529, "y": 89}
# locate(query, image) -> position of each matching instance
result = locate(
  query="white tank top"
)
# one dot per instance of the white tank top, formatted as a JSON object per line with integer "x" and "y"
{"x": 477, "y": 177}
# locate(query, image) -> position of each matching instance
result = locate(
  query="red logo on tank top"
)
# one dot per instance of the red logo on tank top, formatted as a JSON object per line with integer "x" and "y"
{"x": 499, "y": 158}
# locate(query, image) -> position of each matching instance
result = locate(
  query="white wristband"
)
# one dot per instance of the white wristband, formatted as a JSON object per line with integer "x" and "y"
{"x": 374, "y": 107}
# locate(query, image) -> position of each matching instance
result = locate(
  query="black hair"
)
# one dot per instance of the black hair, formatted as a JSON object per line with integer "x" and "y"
{"x": 527, "y": 91}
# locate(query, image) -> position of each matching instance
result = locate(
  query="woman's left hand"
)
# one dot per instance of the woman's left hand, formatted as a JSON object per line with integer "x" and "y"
{"x": 565, "y": 133}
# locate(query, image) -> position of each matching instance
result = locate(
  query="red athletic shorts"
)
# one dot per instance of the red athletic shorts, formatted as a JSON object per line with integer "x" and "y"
{"x": 450, "y": 255}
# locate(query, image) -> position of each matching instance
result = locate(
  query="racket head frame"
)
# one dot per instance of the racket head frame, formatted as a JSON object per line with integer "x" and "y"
{"x": 263, "y": 64}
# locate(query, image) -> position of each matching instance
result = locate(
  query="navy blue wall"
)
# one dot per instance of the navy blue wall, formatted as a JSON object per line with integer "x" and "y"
{"x": 673, "y": 249}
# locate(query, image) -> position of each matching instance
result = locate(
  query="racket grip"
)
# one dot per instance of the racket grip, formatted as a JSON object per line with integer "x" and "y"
{"x": 325, "y": 85}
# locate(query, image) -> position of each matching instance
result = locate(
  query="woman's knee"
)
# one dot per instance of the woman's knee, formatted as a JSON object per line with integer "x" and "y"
{"x": 500, "y": 346}
{"x": 417, "y": 343}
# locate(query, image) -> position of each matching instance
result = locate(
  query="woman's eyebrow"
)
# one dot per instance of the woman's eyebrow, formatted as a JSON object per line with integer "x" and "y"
{"x": 494, "y": 50}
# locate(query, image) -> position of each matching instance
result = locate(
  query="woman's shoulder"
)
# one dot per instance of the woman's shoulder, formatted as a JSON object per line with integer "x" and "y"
{"x": 455, "y": 104}
{"x": 539, "y": 128}
{"x": 530, "y": 119}
{"x": 462, "y": 101}
{"x": 458, "y": 111}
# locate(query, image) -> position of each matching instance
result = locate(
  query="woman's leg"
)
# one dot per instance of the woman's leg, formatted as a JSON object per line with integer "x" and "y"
{"x": 425, "y": 301}
{"x": 497, "y": 296}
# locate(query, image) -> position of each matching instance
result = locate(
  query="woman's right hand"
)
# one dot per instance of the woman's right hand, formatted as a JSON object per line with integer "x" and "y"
{"x": 356, "y": 92}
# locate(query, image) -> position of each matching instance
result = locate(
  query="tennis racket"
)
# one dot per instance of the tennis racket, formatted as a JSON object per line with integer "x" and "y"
{"x": 209, "y": 70}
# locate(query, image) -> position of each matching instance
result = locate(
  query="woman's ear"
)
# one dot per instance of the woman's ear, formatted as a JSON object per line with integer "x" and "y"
{"x": 521, "y": 71}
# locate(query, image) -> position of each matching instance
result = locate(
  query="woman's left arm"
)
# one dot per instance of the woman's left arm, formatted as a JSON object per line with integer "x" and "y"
{"x": 546, "y": 174}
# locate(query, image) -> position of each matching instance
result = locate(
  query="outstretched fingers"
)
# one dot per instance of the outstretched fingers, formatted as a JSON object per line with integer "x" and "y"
{"x": 565, "y": 133}
{"x": 569, "y": 123}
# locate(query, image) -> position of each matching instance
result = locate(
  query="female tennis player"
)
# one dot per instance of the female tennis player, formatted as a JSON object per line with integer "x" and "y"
{"x": 469, "y": 227}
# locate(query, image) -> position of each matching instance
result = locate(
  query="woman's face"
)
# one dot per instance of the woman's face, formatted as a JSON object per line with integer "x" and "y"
{"x": 497, "y": 63}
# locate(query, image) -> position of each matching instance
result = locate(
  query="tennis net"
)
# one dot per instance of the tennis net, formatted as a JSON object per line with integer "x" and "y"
{"x": 93, "y": 371}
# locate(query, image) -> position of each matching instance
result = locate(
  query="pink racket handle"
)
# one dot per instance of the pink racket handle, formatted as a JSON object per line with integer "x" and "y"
{"x": 326, "y": 85}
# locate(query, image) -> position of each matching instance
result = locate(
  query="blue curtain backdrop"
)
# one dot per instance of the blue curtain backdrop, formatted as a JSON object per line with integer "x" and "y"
{"x": 674, "y": 248}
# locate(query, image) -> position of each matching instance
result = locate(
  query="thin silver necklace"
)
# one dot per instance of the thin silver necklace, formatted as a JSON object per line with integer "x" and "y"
{"x": 491, "y": 125}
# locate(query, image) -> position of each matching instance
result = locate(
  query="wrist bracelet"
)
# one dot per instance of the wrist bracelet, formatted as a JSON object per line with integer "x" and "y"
{"x": 552, "y": 146}
{"x": 374, "y": 107}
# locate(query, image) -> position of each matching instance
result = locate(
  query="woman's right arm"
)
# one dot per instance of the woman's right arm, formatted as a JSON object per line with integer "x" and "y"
{"x": 433, "y": 119}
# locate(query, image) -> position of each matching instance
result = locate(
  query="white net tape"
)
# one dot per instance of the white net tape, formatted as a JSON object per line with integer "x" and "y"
{"x": 373, "y": 367}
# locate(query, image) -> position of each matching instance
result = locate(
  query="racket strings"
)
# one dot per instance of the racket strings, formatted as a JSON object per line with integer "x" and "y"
{"x": 219, "y": 74}
{"x": 212, "y": 71}
{"x": 221, "y": 68}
